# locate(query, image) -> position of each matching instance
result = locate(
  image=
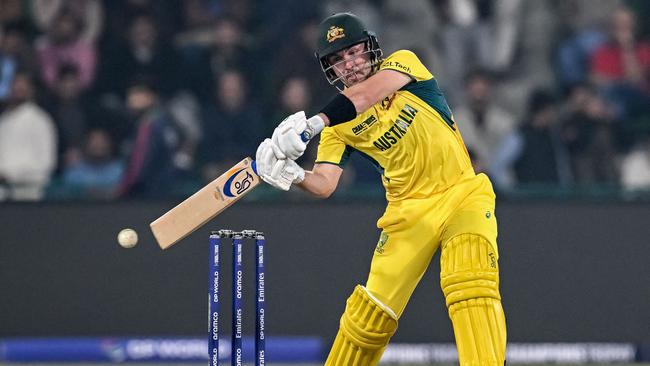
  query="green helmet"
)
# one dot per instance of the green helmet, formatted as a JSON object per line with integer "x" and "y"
{"x": 340, "y": 31}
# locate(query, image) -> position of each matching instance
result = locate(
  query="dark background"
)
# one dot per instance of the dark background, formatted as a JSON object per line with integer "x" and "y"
{"x": 570, "y": 271}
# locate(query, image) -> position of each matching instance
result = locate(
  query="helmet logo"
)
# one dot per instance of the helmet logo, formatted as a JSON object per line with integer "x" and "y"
{"x": 335, "y": 33}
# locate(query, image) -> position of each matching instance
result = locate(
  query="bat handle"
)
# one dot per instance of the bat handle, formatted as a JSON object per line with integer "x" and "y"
{"x": 254, "y": 166}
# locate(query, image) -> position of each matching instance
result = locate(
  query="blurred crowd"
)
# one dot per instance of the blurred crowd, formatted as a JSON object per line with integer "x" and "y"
{"x": 153, "y": 98}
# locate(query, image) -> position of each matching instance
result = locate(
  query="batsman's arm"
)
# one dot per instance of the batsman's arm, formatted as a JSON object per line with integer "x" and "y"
{"x": 358, "y": 98}
{"x": 377, "y": 87}
{"x": 322, "y": 180}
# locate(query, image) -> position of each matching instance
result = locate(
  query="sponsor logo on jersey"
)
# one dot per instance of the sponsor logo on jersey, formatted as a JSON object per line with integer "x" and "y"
{"x": 388, "y": 101}
{"x": 335, "y": 33}
{"x": 398, "y": 65}
{"x": 238, "y": 183}
{"x": 493, "y": 260}
{"x": 363, "y": 126}
{"x": 383, "y": 238}
{"x": 395, "y": 133}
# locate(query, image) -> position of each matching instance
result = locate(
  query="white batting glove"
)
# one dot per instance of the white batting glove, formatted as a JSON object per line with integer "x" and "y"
{"x": 288, "y": 136}
{"x": 289, "y": 172}
{"x": 267, "y": 156}
{"x": 284, "y": 173}
{"x": 273, "y": 167}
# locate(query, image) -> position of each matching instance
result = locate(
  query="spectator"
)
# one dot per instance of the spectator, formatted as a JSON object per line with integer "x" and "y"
{"x": 186, "y": 112}
{"x": 232, "y": 125}
{"x": 226, "y": 48}
{"x": 529, "y": 39}
{"x": 69, "y": 109}
{"x": 44, "y": 12}
{"x": 143, "y": 53}
{"x": 11, "y": 12}
{"x": 27, "y": 143}
{"x": 584, "y": 21}
{"x": 8, "y": 67}
{"x": 15, "y": 53}
{"x": 296, "y": 56}
{"x": 622, "y": 67}
{"x": 150, "y": 170}
{"x": 540, "y": 156}
{"x": 198, "y": 18}
{"x": 635, "y": 167}
{"x": 198, "y": 14}
{"x": 587, "y": 132}
{"x": 63, "y": 45}
{"x": 166, "y": 15}
{"x": 295, "y": 95}
{"x": 483, "y": 123}
{"x": 418, "y": 34}
{"x": 477, "y": 34}
{"x": 98, "y": 172}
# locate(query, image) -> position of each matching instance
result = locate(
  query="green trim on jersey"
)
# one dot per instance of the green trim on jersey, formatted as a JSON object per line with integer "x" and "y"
{"x": 347, "y": 153}
{"x": 372, "y": 161}
{"x": 327, "y": 162}
{"x": 430, "y": 93}
{"x": 345, "y": 157}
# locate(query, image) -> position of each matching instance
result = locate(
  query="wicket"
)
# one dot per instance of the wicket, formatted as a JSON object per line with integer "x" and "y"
{"x": 214, "y": 299}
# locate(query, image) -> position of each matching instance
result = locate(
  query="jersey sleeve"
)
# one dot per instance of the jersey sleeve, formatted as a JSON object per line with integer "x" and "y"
{"x": 332, "y": 149}
{"x": 407, "y": 63}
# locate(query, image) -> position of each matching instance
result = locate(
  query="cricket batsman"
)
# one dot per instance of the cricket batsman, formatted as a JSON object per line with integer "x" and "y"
{"x": 392, "y": 111}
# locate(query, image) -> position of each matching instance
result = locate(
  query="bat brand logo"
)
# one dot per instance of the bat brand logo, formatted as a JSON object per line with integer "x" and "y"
{"x": 239, "y": 182}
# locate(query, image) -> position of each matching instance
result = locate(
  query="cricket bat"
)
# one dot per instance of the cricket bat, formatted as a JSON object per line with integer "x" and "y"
{"x": 205, "y": 204}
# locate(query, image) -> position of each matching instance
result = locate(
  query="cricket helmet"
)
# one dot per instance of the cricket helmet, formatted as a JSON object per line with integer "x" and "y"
{"x": 340, "y": 31}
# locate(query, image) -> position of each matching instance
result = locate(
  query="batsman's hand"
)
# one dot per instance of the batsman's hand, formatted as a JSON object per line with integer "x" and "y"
{"x": 294, "y": 132}
{"x": 267, "y": 156}
{"x": 275, "y": 169}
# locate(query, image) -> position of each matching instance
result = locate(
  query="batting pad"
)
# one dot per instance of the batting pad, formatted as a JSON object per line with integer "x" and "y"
{"x": 469, "y": 277}
{"x": 366, "y": 327}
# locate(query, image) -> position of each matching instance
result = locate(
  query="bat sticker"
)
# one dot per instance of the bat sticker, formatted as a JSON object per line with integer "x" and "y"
{"x": 239, "y": 185}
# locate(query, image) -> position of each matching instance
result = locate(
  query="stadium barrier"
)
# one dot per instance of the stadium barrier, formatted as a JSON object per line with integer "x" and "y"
{"x": 295, "y": 350}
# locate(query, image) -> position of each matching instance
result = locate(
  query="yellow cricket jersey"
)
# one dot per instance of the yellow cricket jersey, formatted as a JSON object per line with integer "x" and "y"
{"x": 411, "y": 136}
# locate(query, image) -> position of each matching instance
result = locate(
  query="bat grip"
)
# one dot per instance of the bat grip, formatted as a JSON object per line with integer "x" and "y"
{"x": 254, "y": 166}
{"x": 305, "y": 136}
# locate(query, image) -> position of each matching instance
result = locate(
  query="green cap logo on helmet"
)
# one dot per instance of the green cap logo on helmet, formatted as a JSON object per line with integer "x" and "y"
{"x": 340, "y": 31}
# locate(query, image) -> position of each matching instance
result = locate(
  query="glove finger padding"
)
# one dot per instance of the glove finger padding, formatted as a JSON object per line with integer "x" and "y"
{"x": 287, "y": 135}
{"x": 277, "y": 151}
{"x": 278, "y": 167}
{"x": 292, "y": 145}
{"x": 294, "y": 172}
{"x": 265, "y": 157}
{"x": 282, "y": 184}
{"x": 284, "y": 173}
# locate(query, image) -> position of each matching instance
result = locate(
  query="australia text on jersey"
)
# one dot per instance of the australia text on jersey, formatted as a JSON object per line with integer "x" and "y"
{"x": 391, "y": 136}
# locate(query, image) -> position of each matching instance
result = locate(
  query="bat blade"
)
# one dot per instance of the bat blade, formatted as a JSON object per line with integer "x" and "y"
{"x": 205, "y": 204}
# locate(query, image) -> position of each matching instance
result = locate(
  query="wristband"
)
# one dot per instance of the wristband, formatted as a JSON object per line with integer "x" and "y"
{"x": 339, "y": 110}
